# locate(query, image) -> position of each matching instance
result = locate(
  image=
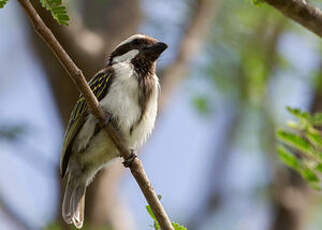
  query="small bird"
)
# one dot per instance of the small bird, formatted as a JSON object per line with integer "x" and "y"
{"x": 127, "y": 90}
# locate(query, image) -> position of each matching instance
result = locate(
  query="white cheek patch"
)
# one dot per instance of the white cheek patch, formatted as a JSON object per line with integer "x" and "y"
{"x": 127, "y": 57}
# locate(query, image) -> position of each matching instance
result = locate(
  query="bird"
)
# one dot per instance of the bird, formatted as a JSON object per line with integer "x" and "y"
{"x": 127, "y": 89}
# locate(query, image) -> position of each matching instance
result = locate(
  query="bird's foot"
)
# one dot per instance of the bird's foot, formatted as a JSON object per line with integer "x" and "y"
{"x": 128, "y": 162}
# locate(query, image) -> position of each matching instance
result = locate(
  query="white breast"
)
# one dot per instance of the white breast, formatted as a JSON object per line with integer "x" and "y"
{"x": 122, "y": 98}
{"x": 122, "y": 101}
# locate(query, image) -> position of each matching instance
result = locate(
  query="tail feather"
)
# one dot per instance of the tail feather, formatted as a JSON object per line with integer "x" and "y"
{"x": 74, "y": 202}
{"x": 78, "y": 204}
{"x": 66, "y": 207}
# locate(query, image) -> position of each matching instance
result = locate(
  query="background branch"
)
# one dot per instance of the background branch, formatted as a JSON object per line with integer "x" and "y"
{"x": 300, "y": 11}
{"x": 191, "y": 45}
{"x": 80, "y": 81}
{"x": 14, "y": 217}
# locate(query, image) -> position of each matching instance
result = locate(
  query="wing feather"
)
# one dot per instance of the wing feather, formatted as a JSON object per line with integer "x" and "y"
{"x": 99, "y": 85}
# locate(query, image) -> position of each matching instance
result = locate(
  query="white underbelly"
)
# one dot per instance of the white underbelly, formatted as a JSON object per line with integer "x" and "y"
{"x": 95, "y": 151}
{"x": 122, "y": 102}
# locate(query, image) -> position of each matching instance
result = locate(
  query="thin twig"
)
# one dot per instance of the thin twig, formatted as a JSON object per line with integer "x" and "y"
{"x": 78, "y": 78}
{"x": 301, "y": 11}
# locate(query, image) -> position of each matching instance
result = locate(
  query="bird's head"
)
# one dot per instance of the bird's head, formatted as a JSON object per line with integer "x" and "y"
{"x": 140, "y": 50}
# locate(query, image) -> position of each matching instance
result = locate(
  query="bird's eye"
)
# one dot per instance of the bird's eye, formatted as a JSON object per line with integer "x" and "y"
{"x": 137, "y": 42}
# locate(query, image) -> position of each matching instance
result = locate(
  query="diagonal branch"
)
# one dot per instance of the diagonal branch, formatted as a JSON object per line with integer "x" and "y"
{"x": 302, "y": 12}
{"x": 14, "y": 217}
{"x": 79, "y": 80}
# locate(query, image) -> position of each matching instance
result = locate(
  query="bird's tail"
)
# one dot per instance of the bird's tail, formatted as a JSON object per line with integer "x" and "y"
{"x": 74, "y": 201}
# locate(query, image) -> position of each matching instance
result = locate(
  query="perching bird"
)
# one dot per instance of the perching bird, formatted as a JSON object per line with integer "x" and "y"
{"x": 127, "y": 89}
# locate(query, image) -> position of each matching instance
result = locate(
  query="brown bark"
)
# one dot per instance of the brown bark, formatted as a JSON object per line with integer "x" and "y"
{"x": 290, "y": 200}
{"x": 301, "y": 11}
{"x": 13, "y": 217}
{"x": 105, "y": 189}
{"x": 316, "y": 105}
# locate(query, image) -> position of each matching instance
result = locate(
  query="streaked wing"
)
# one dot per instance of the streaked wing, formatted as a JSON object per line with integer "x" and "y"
{"x": 99, "y": 85}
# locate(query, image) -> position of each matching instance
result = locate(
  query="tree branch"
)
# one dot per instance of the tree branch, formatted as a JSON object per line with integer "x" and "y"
{"x": 78, "y": 78}
{"x": 14, "y": 217}
{"x": 302, "y": 12}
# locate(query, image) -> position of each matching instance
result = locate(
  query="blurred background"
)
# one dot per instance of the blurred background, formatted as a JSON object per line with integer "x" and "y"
{"x": 230, "y": 71}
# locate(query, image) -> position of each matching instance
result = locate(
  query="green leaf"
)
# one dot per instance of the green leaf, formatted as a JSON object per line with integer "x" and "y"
{"x": 309, "y": 175}
{"x": 156, "y": 225}
{"x": 298, "y": 113}
{"x": 318, "y": 167}
{"x": 296, "y": 141}
{"x": 288, "y": 158}
{"x": 58, "y": 11}
{"x": 317, "y": 119}
{"x": 201, "y": 103}
{"x": 155, "y": 221}
{"x": 293, "y": 111}
{"x": 3, "y": 3}
{"x": 294, "y": 125}
{"x": 58, "y": 2}
{"x": 314, "y": 137}
{"x": 177, "y": 226}
{"x": 315, "y": 186}
{"x": 257, "y": 2}
{"x": 148, "y": 208}
{"x": 63, "y": 17}
{"x": 291, "y": 161}
{"x": 307, "y": 140}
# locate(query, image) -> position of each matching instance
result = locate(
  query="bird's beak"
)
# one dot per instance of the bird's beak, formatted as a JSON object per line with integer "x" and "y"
{"x": 155, "y": 50}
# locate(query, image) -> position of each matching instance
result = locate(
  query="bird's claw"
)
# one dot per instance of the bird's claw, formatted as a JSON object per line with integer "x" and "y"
{"x": 128, "y": 162}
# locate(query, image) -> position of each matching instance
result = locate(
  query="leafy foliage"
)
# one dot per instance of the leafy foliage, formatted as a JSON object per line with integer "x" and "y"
{"x": 257, "y": 2}
{"x": 2, "y": 3}
{"x": 301, "y": 148}
{"x": 58, "y": 11}
{"x": 12, "y": 132}
{"x": 156, "y": 225}
{"x": 155, "y": 222}
{"x": 201, "y": 103}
